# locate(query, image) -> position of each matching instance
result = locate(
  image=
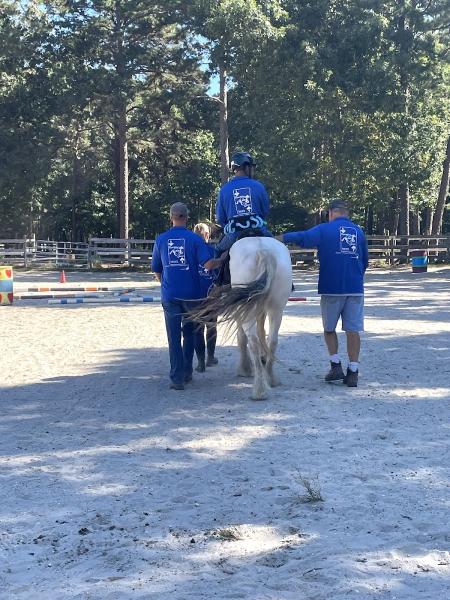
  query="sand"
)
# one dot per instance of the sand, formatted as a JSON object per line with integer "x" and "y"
{"x": 112, "y": 486}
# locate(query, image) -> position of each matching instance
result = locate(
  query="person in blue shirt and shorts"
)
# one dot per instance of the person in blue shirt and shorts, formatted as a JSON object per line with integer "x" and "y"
{"x": 177, "y": 255}
{"x": 243, "y": 202}
{"x": 343, "y": 258}
{"x": 205, "y": 351}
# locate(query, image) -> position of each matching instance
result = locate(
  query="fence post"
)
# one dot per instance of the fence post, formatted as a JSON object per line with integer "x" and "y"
{"x": 391, "y": 243}
{"x": 25, "y": 261}
{"x": 89, "y": 254}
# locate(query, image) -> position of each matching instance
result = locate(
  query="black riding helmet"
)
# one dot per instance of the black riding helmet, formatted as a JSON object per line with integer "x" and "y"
{"x": 240, "y": 159}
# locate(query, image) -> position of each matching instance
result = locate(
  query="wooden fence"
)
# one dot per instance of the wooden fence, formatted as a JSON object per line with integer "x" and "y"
{"x": 137, "y": 252}
{"x": 390, "y": 249}
{"x": 95, "y": 253}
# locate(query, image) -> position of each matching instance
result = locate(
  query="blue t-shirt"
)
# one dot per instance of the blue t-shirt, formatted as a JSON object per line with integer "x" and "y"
{"x": 343, "y": 255}
{"x": 241, "y": 196}
{"x": 177, "y": 255}
{"x": 206, "y": 277}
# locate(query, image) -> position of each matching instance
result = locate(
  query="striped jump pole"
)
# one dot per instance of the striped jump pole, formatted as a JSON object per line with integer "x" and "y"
{"x": 302, "y": 299}
{"x": 81, "y": 289}
{"x": 65, "y": 296}
{"x": 135, "y": 299}
{"x": 124, "y": 299}
{"x": 40, "y": 296}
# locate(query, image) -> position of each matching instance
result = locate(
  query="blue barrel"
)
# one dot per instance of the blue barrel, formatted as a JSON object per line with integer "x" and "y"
{"x": 419, "y": 261}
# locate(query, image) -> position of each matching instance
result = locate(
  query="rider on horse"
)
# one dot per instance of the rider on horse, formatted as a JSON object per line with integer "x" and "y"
{"x": 243, "y": 203}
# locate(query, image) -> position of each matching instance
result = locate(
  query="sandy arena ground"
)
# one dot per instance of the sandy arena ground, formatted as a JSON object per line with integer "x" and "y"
{"x": 114, "y": 487}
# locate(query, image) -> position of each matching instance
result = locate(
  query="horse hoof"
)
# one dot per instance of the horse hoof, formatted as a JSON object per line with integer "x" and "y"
{"x": 257, "y": 398}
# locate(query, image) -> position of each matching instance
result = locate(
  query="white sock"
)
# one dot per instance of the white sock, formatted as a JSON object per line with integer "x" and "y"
{"x": 335, "y": 358}
{"x": 353, "y": 366}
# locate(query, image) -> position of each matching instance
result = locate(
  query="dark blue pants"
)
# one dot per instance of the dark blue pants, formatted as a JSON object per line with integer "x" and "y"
{"x": 211, "y": 339}
{"x": 180, "y": 353}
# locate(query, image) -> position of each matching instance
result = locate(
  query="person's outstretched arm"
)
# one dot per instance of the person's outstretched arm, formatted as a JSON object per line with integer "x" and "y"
{"x": 306, "y": 239}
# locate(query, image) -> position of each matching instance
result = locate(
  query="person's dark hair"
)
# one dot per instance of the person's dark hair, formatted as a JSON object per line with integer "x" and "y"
{"x": 337, "y": 204}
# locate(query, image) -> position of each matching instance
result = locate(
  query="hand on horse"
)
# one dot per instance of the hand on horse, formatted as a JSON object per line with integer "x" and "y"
{"x": 214, "y": 263}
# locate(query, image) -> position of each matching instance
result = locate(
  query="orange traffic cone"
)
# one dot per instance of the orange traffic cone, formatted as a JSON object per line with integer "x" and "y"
{"x": 62, "y": 277}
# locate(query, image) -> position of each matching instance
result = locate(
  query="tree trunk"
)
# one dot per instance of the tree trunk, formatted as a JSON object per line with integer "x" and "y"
{"x": 403, "y": 203}
{"x": 394, "y": 215}
{"x": 369, "y": 220}
{"x": 442, "y": 196}
{"x": 123, "y": 172}
{"x": 428, "y": 219}
{"x": 120, "y": 102}
{"x": 414, "y": 218}
{"x": 404, "y": 46}
{"x": 75, "y": 188}
{"x": 75, "y": 193}
{"x": 116, "y": 162}
{"x": 223, "y": 117}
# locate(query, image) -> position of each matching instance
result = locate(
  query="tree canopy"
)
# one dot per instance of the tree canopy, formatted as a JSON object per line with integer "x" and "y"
{"x": 106, "y": 116}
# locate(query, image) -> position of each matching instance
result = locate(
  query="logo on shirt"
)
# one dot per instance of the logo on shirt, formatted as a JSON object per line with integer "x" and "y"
{"x": 176, "y": 250}
{"x": 204, "y": 272}
{"x": 348, "y": 240}
{"x": 243, "y": 201}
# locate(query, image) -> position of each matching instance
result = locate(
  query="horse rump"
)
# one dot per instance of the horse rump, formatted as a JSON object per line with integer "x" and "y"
{"x": 237, "y": 303}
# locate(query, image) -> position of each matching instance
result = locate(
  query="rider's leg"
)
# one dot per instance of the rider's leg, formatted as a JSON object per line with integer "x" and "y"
{"x": 225, "y": 243}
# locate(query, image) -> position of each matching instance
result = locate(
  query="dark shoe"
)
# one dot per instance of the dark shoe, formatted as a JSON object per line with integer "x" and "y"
{"x": 351, "y": 379}
{"x": 187, "y": 378}
{"x": 201, "y": 367}
{"x": 212, "y": 360}
{"x": 176, "y": 386}
{"x": 335, "y": 373}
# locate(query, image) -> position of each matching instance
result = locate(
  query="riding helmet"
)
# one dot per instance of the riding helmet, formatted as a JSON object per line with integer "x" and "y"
{"x": 240, "y": 159}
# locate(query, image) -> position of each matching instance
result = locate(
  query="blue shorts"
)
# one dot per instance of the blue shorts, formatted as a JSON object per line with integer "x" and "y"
{"x": 349, "y": 308}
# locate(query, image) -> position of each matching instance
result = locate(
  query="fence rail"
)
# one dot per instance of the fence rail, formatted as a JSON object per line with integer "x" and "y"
{"x": 390, "y": 248}
{"x": 138, "y": 252}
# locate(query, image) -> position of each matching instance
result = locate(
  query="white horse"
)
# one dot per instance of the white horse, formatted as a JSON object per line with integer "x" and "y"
{"x": 261, "y": 281}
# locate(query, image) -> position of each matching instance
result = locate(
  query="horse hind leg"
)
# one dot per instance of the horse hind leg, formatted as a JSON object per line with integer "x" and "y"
{"x": 245, "y": 364}
{"x": 275, "y": 317}
{"x": 260, "y": 386}
{"x": 260, "y": 323}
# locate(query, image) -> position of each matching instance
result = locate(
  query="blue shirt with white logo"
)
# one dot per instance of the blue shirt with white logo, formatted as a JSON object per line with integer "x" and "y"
{"x": 177, "y": 255}
{"x": 343, "y": 255}
{"x": 241, "y": 196}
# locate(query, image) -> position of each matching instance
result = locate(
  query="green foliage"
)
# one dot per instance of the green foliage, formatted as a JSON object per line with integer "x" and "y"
{"x": 342, "y": 104}
{"x": 334, "y": 98}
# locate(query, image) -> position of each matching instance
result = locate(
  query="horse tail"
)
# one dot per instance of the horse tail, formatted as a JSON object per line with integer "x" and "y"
{"x": 240, "y": 302}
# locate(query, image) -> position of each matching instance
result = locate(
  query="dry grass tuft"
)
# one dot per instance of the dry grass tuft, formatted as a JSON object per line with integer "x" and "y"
{"x": 229, "y": 534}
{"x": 312, "y": 489}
